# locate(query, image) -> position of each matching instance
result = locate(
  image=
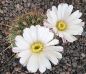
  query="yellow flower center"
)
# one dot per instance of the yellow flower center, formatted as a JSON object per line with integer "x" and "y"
{"x": 61, "y": 25}
{"x": 37, "y": 47}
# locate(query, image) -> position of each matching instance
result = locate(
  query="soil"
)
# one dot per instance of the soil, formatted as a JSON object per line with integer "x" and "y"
{"x": 74, "y": 56}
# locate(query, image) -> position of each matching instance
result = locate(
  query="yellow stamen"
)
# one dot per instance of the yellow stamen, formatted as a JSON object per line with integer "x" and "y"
{"x": 61, "y": 25}
{"x": 37, "y": 47}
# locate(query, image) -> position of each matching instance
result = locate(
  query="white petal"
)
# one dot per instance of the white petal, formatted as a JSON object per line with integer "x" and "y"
{"x": 47, "y": 23}
{"x": 82, "y": 24}
{"x": 55, "y": 48}
{"x": 20, "y": 42}
{"x": 53, "y": 42}
{"x": 43, "y": 63}
{"x": 24, "y": 60}
{"x": 54, "y": 13}
{"x": 59, "y": 14}
{"x": 75, "y": 29}
{"x": 54, "y": 9}
{"x": 55, "y": 51}
{"x": 44, "y": 34}
{"x": 42, "y": 69}
{"x": 32, "y": 65}
{"x": 48, "y": 13}
{"x": 34, "y": 34}
{"x": 55, "y": 30}
{"x": 24, "y": 57}
{"x": 24, "y": 54}
{"x": 68, "y": 11}
{"x": 70, "y": 38}
{"x": 16, "y": 49}
{"x": 74, "y": 22}
{"x": 61, "y": 34}
{"x": 64, "y": 9}
{"x": 75, "y": 15}
{"x": 27, "y": 35}
{"x": 30, "y": 34}
{"x": 51, "y": 57}
{"x": 51, "y": 20}
{"x": 61, "y": 10}
{"x": 57, "y": 54}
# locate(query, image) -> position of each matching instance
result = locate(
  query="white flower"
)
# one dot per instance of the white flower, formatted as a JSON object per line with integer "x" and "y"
{"x": 36, "y": 49}
{"x": 64, "y": 23}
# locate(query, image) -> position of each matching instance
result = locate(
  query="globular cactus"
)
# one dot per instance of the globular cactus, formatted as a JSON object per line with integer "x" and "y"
{"x": 21, "y": 22}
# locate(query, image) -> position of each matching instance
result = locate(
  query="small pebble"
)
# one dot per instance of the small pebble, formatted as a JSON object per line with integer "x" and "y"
{"x": 1, "y": 11}
{"x": 83, "y": 55}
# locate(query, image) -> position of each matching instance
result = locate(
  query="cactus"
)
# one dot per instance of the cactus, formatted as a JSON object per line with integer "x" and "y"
{"x": 21, "y": 22}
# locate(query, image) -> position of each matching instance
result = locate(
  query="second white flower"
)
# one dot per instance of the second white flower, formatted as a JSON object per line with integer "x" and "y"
{"x": 64, "y": 23}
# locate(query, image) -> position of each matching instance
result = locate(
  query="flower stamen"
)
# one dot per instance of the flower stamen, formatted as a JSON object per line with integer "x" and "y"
{"x": 37, "y": 47}
{"x": 61, "y": 25}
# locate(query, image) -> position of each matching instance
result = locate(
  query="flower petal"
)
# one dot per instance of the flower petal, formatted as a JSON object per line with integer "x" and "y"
{"x": 61, "y": 10}
{"x": 75, "y": 15}
{"x": 16, "y": 49}
{"x": 55, "y": 51}
{"x": 51, "y": 57}
{"x": 47, "y": 23}
{"x": 25, "y": 53}
{"x": 44, "y": 34}
{"x": 64, "y": 8}
{"x": 23, "y": 61}
{"x": 43, "y": 63}
{"x": 57, "y": 54}
{"x": 24, "y": 57}
{"x": 75, "y": 29}
{"x": 75, "y": 22}
{"x": 20, "y": 42}
{"x": 30, "y": 34}
{"x": 54, "y": 13}
{"x": 51, "y": 13}
{"x": 33, "y": 30}
{"x": 69, "y": 10}
{"x": 55, "y": 48}
{"x": 59, "y": 14}
{"x": 27, "y": 35}
{"x": 53, "y": 42}
{"x": 32, "y": 65}
{"x": 70, "y": 38}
